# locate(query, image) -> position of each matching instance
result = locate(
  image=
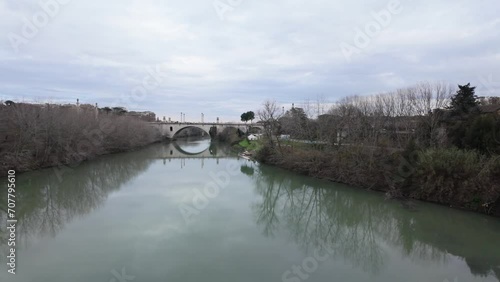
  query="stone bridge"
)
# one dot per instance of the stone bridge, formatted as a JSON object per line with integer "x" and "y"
{"x": 169, "y": 129}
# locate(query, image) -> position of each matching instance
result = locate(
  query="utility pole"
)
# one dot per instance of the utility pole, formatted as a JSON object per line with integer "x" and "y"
{"x": 202, "y": 118}
{"x": 181, "y": 116}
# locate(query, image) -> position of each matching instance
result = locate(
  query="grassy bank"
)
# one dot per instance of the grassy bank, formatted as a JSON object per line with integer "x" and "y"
{"x": 38, "y": 136}
{"x": 452, "y": 177}
{"x": 249, "y": 145}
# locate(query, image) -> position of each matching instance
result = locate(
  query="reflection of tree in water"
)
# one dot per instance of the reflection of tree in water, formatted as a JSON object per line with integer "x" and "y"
{"x": 319, "y": 217}
{"x": 213, "y": 149}
{"x": 45, "y": 204}
{"x": 248, "y": 170}
{"x": 358, "y": 225}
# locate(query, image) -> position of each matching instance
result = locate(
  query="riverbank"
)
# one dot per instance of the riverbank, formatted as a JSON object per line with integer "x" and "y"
{"x": 451, "y": 177}
{"x": 34, "y": 137}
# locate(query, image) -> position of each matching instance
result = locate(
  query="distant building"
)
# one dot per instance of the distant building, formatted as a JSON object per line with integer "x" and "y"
{"x": 145, "y": 116}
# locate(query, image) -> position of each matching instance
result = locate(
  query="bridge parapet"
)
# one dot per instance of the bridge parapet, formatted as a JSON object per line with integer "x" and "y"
{"x": 169, "y": 129}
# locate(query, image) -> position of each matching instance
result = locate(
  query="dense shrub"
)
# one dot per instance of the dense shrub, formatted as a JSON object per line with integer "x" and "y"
{"x": 483, "y": 134}
{"x": 457, "y": 177}
{"x": 353, "y": 165}
{"x": 465, "y": 179}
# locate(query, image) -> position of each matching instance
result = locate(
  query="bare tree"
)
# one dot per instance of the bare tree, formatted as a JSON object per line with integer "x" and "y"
{"x": 432, "y": 100}
{"x": 391, "y": 119}
{"x": 42, "y": 135}
{"x": 270, "y": 115}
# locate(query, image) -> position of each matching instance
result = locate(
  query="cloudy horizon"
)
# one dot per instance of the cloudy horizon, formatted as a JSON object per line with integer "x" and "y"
{"x": 225, "y": 57}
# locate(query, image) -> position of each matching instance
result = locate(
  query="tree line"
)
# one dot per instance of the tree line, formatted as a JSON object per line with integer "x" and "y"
{"x": 33, "y": 136}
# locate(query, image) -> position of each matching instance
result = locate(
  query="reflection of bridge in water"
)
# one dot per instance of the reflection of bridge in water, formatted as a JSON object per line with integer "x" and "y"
{"x": 192, "y": 150}
{"x": 184, "y": 152}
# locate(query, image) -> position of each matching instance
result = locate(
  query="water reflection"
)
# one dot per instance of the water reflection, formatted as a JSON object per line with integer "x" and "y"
{"x": 47, "y": 202}
{"x": 186, "y": 148}
{"x": 360, "y": 226}
{"x": 248, "y": 170}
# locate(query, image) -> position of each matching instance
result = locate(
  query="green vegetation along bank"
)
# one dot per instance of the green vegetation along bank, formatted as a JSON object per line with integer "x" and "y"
{"x": 425, "y": 143}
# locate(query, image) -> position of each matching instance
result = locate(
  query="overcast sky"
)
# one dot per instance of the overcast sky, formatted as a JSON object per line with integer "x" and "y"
{"x": 223, "y": 62}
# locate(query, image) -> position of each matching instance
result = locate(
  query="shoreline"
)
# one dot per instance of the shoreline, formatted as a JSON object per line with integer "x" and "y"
{"x": 401, "y": 200}
{"x": 78, "y": 162}
{"x": 374, "y": 181}
{"x": 91, "y": 158}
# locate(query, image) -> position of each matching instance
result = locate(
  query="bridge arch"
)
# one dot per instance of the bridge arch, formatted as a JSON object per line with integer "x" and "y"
{"x": 174, "y": 130}
{"x": 237, "y": 128}
{"x": 255, "y": 129}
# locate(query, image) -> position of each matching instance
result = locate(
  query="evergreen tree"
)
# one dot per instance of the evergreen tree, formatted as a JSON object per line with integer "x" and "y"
{"x": 465, "y": 101}
{"x": 482, "y": 134}
{"x": 244, "y": 117}
{"x": 468, "y": 128}
{"x": 250, "y": 115}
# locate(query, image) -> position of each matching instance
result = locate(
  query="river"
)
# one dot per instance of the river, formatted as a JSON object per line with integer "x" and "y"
{"x": 194, "y": 211}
